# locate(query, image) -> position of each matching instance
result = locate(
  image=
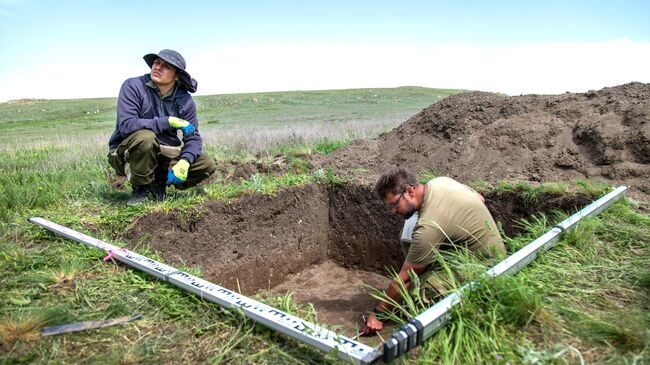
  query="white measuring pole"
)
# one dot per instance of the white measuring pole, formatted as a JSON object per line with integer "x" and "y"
{"x": 309, "y": 333}
{"x": 430, "y": 321}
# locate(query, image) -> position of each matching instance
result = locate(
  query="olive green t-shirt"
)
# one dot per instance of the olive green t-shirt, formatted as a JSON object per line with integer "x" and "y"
{"x": 451, "y": 213}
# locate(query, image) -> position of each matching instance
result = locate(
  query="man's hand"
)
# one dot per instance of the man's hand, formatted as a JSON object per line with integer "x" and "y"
{"x": 178, "y": 173}
{"x": 184, "y": 125}
{"x": 373, "y": 324}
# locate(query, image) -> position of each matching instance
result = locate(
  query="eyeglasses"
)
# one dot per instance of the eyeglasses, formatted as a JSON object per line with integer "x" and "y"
{"x": 394, "y": 204}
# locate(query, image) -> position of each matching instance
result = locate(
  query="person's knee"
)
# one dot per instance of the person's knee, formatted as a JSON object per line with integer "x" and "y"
{"x": 145, "y": 140}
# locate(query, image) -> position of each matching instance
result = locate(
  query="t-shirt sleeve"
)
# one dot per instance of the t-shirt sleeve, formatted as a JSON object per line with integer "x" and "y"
{"x": 427, "y": 237}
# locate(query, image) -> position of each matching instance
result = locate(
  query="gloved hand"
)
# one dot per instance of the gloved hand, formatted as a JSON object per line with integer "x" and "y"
{"x": 178, "y": 173}
{"x": 184, "y": 125}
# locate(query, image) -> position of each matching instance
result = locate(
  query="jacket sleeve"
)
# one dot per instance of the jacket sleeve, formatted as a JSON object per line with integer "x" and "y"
{"x": 130, "y": 109}
{"x": 193, "y": 145}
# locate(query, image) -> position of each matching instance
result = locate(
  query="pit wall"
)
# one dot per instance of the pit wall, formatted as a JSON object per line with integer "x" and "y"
{"x": 509, "y": 207}
{"x": 363, "y": 233}
{"x": 254, "y": 242}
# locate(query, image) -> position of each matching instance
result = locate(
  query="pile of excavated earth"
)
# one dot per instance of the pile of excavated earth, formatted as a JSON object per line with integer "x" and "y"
{"x": 599, "y": 135}
{"x": 326, "y": 243}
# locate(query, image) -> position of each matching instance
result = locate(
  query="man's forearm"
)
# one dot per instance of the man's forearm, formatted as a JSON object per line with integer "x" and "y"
{"x": 392, "y": 293}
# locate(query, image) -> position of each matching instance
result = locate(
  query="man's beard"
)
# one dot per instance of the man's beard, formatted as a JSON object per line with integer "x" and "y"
{"x": 412, "y": 211}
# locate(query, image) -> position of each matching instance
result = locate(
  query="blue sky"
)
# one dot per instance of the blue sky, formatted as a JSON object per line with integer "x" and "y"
{"x": 74, "y": 49}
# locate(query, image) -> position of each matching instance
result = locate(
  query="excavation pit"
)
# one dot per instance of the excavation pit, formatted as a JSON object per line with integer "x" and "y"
{"x": 324, "y": 244}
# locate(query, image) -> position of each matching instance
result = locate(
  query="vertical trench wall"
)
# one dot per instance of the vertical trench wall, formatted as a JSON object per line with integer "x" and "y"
{"x": 254, "y": 242}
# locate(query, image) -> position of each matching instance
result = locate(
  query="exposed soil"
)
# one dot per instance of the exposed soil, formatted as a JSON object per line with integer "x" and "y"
{"x": 325, "y": 242}
{"x": 510, "y": 207}
{"x": 340, "y": 295}
{"x": 255, "y": 243}
{"x": 599, "y": 135}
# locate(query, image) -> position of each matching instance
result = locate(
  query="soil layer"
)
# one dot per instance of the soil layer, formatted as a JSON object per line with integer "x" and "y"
{"x": 340, "y": 295}
{"x": 326, "y": 245}
{"x": 254, "y": 242}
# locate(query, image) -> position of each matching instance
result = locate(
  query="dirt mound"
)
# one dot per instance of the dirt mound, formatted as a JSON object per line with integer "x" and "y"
{"x": 601, "y": 135}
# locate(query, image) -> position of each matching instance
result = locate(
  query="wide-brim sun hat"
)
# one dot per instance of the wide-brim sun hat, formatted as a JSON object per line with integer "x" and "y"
{"x": 174, "y": 58}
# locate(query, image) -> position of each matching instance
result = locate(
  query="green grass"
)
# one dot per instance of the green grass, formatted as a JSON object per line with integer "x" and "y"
{"x": 586, "y": 299}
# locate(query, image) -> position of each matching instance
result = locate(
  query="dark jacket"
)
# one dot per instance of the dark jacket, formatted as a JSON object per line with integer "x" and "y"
{"x": 140, "y": 107}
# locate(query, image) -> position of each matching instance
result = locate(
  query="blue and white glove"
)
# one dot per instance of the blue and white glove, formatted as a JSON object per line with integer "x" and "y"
{"x": 184, "y": 125}
{"x": 178, "y": 173}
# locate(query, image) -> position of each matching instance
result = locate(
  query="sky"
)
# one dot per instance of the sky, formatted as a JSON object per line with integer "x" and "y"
{"x": 84, "y": 49}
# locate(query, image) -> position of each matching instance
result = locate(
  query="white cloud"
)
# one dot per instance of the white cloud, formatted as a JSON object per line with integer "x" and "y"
{"x": 541, "y": 68}
{"x": 545, "y": 68}
{"x": 65, "y": 81}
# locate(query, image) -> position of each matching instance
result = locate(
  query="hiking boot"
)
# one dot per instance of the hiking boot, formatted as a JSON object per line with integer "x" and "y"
{"x": 139, "y": 195}
{"x": 158, "y": 190}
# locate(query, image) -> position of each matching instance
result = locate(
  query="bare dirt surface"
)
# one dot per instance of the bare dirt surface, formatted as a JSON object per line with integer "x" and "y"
{"x": 339, "y": 294}
{"x": 249, "y": 243}
{"x": 599, "y": 135}
{"x": 324, "y": 243}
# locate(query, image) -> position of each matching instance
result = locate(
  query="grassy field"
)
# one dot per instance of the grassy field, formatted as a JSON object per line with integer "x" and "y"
{"x": 245, "y": 122}
{"x": 584, "y": 301}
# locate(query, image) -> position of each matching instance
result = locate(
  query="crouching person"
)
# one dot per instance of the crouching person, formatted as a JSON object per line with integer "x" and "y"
{"x": 145, "y": 146}
{"x": 441, "y": 213}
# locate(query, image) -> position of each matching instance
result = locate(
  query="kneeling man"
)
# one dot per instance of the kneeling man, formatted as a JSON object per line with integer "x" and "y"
{"x": 442, "y": 212}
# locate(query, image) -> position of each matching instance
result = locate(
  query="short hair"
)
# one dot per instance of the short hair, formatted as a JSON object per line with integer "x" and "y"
{"x": 395, "y": 182}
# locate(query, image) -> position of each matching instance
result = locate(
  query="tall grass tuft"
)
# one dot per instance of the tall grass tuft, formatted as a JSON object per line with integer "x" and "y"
{"x": 66, "y": 273}
{"x": 512, "y": 302}
{"x": 627, "y": 331}
{"x": 26, "y": 325}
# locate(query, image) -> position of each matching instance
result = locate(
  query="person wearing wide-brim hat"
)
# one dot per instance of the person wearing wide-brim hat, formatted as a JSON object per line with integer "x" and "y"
{"x": 175, "y": 59}
{"x": 145, "y": 146}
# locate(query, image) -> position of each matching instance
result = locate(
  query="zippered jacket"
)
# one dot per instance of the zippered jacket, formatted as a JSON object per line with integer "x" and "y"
{"x": 140, "y": 107}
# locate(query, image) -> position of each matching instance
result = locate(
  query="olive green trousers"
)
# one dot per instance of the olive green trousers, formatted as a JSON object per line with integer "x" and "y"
{"x": 143, "y": 160}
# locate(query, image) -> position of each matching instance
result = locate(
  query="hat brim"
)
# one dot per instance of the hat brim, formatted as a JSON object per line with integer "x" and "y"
{"x": 150, "y": 59}
{"x": 187, "y": 82}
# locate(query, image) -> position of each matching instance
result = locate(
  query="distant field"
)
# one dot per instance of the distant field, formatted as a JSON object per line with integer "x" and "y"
{"x": 235, "y": 119}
